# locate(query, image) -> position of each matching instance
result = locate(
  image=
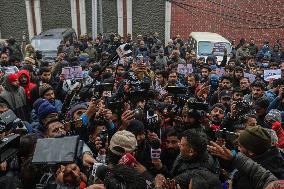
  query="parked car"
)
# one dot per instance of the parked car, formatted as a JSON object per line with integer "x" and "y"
{"x": 204, "y": 42}
{"x": 47, "y": 42}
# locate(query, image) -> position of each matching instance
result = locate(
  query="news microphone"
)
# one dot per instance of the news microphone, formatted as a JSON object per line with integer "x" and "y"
{"x": 155, "y": 149}
{"x": 127, "y": 160}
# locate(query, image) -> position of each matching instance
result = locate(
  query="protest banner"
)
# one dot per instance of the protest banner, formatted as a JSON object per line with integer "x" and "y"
{"x": 185, "y": 69}
{"x": 271, "y": 74}
{"x": 74, "y": 72}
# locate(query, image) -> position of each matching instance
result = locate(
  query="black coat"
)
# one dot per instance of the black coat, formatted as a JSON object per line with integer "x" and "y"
{"x": 197, "y": 169}
{"x": 272, "y": 160}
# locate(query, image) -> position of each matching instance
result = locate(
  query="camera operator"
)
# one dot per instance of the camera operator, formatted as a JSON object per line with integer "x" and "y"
{"x": 13, "y": 127}
{"x": 165, "y": 163}
{"x": 144, "y": 141}
{"x": 98, "y": 138}
{"x": 54, "y": 128}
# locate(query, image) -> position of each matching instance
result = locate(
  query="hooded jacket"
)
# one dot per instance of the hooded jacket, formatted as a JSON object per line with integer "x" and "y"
{"x": 15, "y": 99}
{"x": 29, "y": 85}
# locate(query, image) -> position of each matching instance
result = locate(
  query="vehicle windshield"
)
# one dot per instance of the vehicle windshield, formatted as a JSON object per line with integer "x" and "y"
{"x": 205, "y": 48}
{"x": 46, "y": 44}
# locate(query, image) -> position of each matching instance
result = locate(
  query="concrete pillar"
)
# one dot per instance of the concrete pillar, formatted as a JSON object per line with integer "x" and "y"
{"x": 120, "y": 17}
{"x": 29, "y": 19}
{"x": 74, "y": 15}
{"x": 38, "y": 16}
{"x": 83, "y": 23}
{"x": 168, "y": 15}
{"x": 129, "y": 16}
{"x": 94, "y": 18}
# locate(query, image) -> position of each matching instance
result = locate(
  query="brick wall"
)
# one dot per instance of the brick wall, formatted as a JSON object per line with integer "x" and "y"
{"x": 233, "y": 19}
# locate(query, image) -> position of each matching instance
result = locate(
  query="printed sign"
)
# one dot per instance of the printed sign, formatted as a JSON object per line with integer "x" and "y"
{"x": 219, "y": 47}
{"x": 250, "y": 76}
{"x": 272, "y": 74}
{"x": 74, "y": 72}
{"x": 185, "y": 69}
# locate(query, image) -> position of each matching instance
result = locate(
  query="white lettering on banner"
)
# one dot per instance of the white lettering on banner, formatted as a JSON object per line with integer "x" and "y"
{"x": 219, "y": 47}
{"x": 185, "y": 69}
{"x": 272, "y": 74}
{"x": 121, "y": 52}
{"x": 250, "y": 76}
{"x": 10, "y": 69}
{"x": 74, "y": 72}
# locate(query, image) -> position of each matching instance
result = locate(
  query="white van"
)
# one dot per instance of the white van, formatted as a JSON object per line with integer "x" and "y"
{"x": 204, "y": 42}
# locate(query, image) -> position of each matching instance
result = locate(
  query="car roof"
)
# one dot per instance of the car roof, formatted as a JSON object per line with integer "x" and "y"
{"x": 56, "y": 33}
{"x": 208, "y": 36}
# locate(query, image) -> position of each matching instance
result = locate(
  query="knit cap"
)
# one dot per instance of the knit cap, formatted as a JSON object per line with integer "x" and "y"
{"x": 255, "y": 139}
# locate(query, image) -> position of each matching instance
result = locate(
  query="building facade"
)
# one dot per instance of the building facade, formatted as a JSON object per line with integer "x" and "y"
{"x": 231, "y": 18}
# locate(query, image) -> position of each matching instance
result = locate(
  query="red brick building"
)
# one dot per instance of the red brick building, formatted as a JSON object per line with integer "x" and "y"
{"x": 233, "y": 19}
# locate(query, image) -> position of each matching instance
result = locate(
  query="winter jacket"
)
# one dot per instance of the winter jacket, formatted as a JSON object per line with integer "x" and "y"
{"x": 242, "y": 52}
{"x": 15, "y": 99}
{"x": 161, "y": 62}
{"x": 276, "y": 104}
{"x": 29, "y": 86}
{"x": 253, "y": 49}
{"x": 272, "y": 160}
{"x": 92, "y": 53}
{"x": 143, "y": 51}
{"x": 258, "y": 176}
{"x": 248, "y": 98}
{"x": 184, "y": 169}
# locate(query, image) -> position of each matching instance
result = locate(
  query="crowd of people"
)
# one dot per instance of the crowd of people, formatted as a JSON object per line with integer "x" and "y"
{"x": 143, "y": 122}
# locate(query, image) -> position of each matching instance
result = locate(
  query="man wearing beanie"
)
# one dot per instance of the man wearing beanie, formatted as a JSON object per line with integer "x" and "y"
{"x": 46, "y": 92}
{"x": 255, "y": 142}
{"x": 14, "y": 96}
{"x": 42, "y": 113}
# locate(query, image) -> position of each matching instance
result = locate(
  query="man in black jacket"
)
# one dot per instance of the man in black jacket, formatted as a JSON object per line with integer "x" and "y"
{"x": 193, "y": 157}
{"x": 255, "y": 143}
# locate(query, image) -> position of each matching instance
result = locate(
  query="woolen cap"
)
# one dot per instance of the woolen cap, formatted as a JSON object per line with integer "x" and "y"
{"x": 255, "y": 139}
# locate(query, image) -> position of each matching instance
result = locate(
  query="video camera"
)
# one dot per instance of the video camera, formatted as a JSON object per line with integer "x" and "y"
{"x": 11, "y": 122}
{"x": 194, "y": 104}
{"x": 51, "y": 152}
{"x": 175, "y": 90}
{"x": 226, "y": 135}
{"x": 9, "y": 147}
